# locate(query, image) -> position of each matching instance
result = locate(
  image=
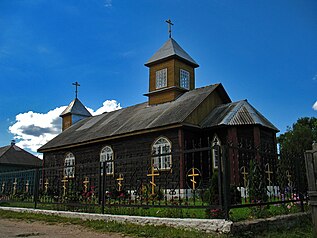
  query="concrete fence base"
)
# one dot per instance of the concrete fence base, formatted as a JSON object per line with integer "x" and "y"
{"x": 204, "y": 225}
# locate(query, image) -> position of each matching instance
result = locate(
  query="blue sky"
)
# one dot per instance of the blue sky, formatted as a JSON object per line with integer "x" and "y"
{"x": 264, "y": 51}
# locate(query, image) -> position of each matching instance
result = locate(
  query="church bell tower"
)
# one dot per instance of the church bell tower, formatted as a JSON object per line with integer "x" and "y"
{"x": 74, "y": 112}
{"x": 171, "y": 72}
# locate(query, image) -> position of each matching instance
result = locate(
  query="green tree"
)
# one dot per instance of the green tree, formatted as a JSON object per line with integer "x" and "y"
{"x": 299, "y": 138}
{"x": 293, "y": 143}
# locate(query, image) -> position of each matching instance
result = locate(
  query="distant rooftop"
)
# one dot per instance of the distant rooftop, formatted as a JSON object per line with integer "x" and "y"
{"x": 14, "y": 155}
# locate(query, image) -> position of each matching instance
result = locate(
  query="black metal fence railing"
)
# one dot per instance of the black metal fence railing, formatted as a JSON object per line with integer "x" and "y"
{"x": 200, "y": 176}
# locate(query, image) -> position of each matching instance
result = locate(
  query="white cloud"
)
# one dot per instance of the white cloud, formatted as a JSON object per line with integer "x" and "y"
{"x": 107, "y": 106}
{"x": 32, "y": 129}
{"x": 108, "y": 3}
{"x": 315, "y": 106}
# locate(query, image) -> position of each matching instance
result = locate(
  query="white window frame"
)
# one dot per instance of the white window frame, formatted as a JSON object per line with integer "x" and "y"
{"x": 107, "y": 156}
{"x": 184, "y": 79}
{"x": 69, "y": 165}
{"x": 162, "y": 146}
{"x": 215, "y": 153}
{"x": 161, "y": 78}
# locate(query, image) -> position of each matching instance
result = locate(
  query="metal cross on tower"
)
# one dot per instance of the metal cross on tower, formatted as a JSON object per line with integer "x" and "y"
{"x": 170, "y": 24}
{"x": 76, "y": 85}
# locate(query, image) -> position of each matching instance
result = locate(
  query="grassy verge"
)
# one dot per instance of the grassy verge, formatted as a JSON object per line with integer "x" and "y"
{"x": 302, "y": 230}
{"x": 236, "y": 214}
{"x": 101, "y": 226}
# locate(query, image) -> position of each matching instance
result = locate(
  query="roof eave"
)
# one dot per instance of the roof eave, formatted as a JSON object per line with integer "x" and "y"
{"x": 150, "y": 63}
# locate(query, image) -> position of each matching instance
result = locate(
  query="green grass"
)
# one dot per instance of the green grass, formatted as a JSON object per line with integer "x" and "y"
{"x": 302, "y": 230}
{"x": 248, "y": 213}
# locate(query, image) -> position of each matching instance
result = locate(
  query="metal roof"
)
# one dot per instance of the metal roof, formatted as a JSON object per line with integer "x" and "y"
{"x": 142, "y": 117}
{"x": 132, "y": 119}
{"x": 234, "y": 114}
{"x": 169, "y": 49}
{"x": 77, "y": 108}
{"x": 14, "y": 155}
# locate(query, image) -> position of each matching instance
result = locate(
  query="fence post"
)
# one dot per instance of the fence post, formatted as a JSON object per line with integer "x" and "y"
{"x": 36, "y": 188}
{"x": 225, "y": 167}
{"x": 310, "y": 159}
{"x": 103, "y": 187}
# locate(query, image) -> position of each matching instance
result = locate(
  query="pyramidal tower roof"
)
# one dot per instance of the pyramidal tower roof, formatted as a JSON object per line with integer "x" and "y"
{"x": 76, "y": 107}
{"x": 171, "y": 49}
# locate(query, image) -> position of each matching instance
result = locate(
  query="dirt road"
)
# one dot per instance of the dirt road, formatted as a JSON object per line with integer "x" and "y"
{"x": 36, "y": 229}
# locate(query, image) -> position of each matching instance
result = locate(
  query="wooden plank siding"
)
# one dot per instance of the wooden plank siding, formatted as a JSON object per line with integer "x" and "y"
{"x": 200, "y": 113}
{"x": 173, "y": 67}
{"x": 67, "y": 122}
{"x": 134, "y": 152}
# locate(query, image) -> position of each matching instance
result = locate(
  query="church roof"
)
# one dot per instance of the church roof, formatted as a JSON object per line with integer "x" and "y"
{"x": 169, "y": 49}
{"x": 14, "y": 155}
{"x": 140, "y": 117}
{"x": 77, "y": 108}
{"x": 234, "y": 114}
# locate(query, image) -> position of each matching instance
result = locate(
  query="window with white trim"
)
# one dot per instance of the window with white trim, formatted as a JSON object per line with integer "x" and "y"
{"x": 161, "y": 78}
{"x": 69, "y": 165}
{"x": 216, "y": 149}
{"x": 161, "y": 148}
{"x": 184, "y": 79}
{"x": 106, "y": 156}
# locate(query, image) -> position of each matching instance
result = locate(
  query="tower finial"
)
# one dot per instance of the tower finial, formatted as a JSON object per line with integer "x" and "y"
{"x": 76, "y": 85}
{"x": 170, "y": 24}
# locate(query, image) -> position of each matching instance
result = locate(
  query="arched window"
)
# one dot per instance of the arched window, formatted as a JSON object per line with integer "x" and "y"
{"x": 160, "y": 150}
{"x": 106, "y": 156}
{"x": 216, "y": 151}
{"x": 69, "y": 165}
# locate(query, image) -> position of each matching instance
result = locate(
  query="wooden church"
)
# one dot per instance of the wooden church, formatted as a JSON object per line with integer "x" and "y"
{"x": 167, "y": 135}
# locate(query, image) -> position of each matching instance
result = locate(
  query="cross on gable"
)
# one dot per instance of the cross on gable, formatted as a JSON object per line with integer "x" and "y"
{"x": 170, "y": 24}
{"x": 76, "y": 84}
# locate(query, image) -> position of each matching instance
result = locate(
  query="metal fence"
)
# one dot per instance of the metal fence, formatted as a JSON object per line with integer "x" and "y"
{"x": 200, "y": 176}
